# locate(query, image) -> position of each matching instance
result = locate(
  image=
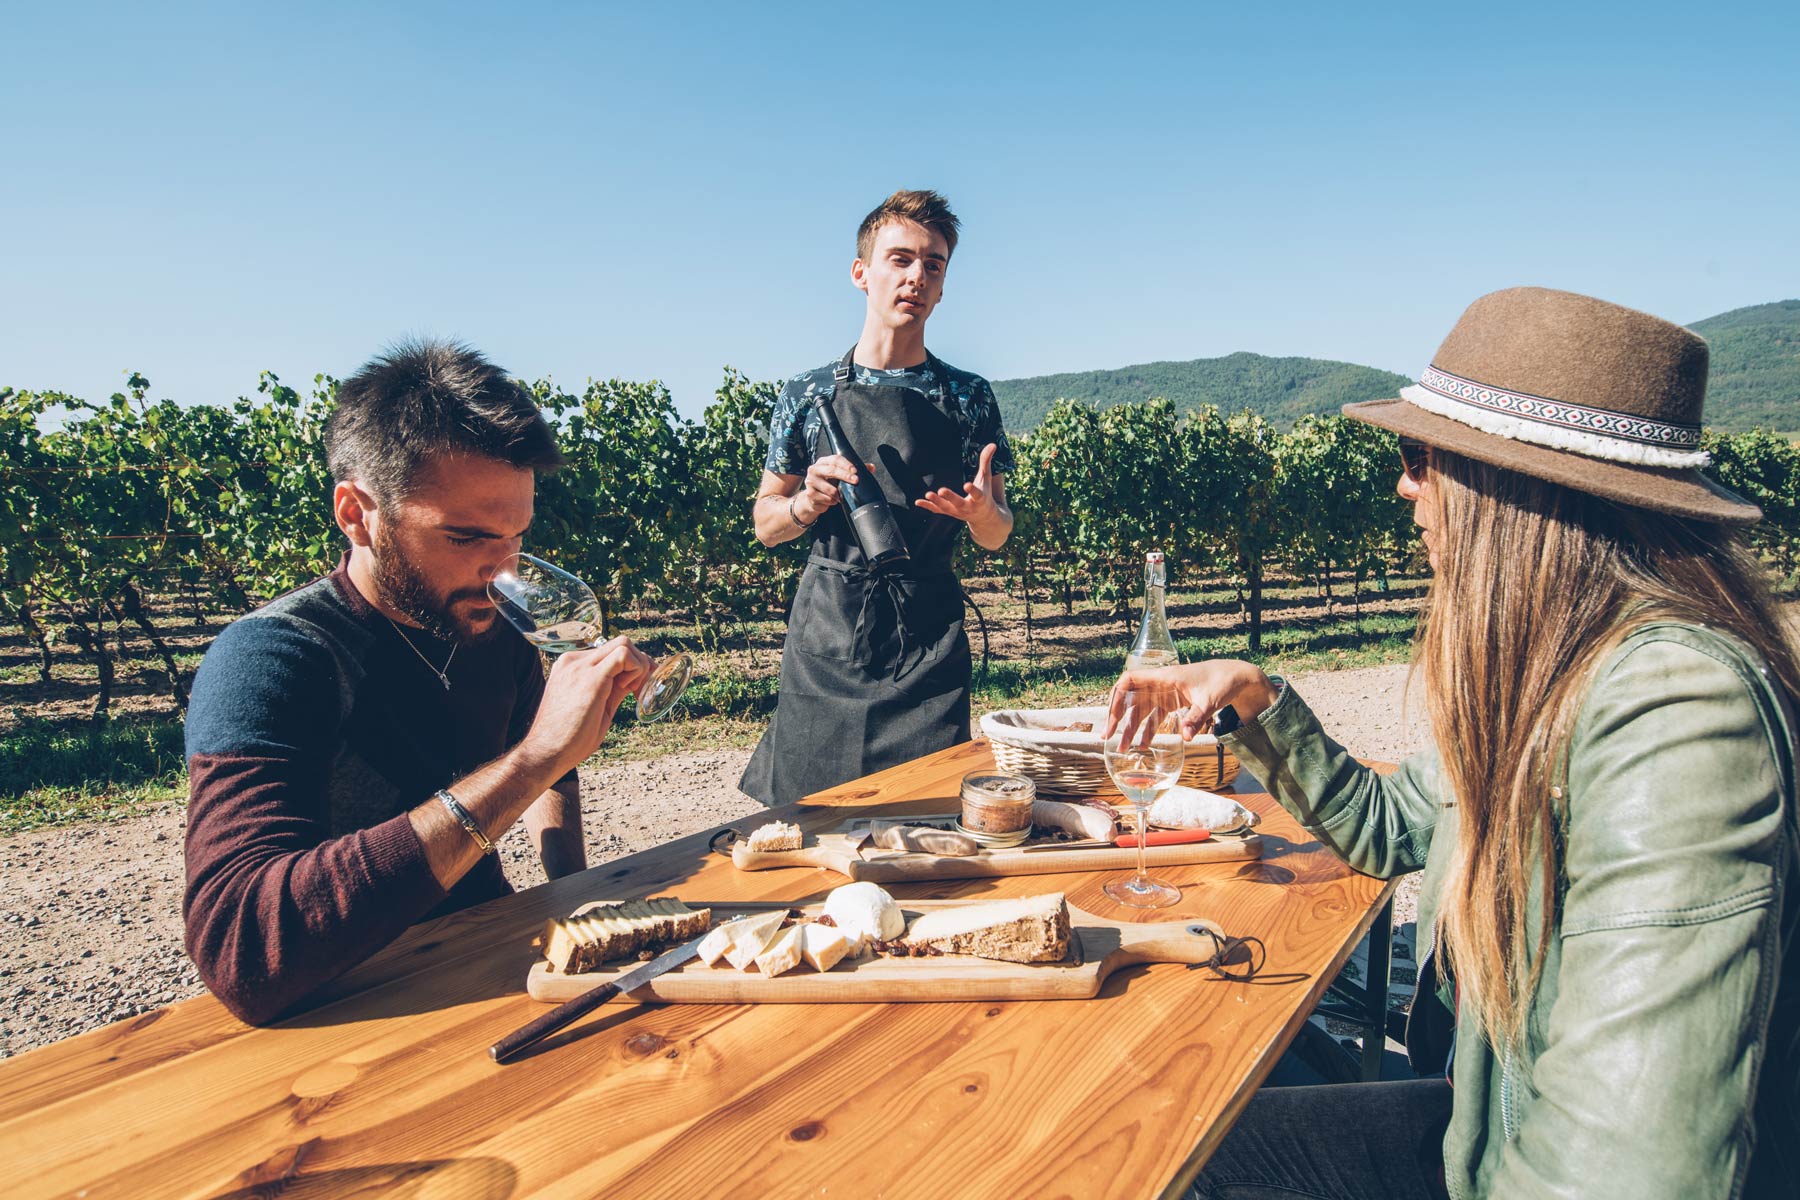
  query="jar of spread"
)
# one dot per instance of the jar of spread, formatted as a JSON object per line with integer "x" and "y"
{"x": 995, "y": 803}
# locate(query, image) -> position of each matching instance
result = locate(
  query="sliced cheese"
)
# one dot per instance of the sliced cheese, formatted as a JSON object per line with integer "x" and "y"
{"x": 822, "y": 946}
{"x": 1032, "y": 929}
{"x": 781, "y": 954}
{"x": 612, "y": 929}
{"x": 750, "y": 935}
{"x": 714, "y": 945}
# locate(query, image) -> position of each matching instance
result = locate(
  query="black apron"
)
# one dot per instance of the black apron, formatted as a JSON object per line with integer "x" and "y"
{"x": 875, "y": 670}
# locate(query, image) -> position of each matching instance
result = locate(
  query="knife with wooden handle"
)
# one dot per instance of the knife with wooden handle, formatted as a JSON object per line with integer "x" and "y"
{"x": 588, "y": 1001}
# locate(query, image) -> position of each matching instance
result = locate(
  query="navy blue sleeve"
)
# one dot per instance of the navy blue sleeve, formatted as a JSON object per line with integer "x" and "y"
{"x": 265, "y": 687}
{"x": 788, "y": 451}
{"x": 981, "y": 415}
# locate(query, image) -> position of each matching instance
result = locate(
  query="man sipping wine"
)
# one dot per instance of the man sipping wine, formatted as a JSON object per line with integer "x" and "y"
{"x": 355, "y": 746}
{"x": 876, "y": 669}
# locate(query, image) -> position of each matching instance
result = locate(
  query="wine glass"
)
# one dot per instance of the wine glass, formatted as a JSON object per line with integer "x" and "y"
{"x": 1142, "y": 766}
{"x": 558, "y": 612}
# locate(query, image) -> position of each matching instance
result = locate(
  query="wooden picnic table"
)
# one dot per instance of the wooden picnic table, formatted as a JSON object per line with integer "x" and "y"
{"x": 386, "y": 1087}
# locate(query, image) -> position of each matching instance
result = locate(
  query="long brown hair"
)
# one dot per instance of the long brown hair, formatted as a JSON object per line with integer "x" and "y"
{"x": 1536, "y": 585}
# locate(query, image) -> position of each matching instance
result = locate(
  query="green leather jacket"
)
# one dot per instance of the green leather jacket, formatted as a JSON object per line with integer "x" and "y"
{"x": 1661, "y": 1053}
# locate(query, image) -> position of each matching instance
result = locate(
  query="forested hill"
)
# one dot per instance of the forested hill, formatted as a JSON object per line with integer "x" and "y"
{"x": 1754, "y": 381}
{"x": 1281, "y": 389}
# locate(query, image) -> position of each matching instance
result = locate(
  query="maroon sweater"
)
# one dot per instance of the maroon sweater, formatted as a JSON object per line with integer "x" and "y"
{"x": 312, "y": 729}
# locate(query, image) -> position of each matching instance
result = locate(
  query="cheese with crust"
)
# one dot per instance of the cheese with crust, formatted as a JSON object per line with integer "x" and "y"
{"x": 612, "y": 929}
{"x": 1031, "y": 929}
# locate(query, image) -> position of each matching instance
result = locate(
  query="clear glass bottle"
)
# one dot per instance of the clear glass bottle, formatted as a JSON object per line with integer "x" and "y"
{"x": 1154, "y": 646}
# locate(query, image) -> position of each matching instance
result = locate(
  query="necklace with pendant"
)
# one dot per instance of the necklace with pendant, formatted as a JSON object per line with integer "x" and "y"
{"x": 443, "y": 675}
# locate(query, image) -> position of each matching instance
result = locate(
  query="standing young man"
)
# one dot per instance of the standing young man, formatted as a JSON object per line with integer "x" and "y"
{"x": 876, "y": 668}
{"x": 356, "y": 746}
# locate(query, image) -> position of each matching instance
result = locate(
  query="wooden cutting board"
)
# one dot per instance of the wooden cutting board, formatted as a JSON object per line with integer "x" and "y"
{"x": 1098, "y": 948}
{"x": 840, "y": 852}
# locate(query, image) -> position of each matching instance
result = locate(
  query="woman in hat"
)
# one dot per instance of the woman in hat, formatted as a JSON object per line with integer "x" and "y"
{"x": 1608, "y": 1002}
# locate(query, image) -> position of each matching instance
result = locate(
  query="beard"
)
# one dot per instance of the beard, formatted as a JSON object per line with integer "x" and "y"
{"x": 403, "y": 587}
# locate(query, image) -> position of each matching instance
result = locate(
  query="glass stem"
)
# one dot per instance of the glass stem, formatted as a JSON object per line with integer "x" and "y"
{"x": 1142, "y": 882}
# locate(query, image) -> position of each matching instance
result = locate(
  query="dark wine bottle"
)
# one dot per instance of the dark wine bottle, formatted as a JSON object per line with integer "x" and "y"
{"x": 871, "y": 519}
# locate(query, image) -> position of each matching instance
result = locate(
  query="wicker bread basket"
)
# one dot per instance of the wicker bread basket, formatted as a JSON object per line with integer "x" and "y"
{"x": 1063, "y": 762}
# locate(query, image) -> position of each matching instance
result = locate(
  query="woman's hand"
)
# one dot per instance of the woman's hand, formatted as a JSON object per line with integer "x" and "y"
{"x": 1196, "y": 690}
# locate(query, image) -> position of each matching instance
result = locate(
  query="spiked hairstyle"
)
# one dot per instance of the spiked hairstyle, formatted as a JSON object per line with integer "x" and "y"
{"x": 421, "y": 399}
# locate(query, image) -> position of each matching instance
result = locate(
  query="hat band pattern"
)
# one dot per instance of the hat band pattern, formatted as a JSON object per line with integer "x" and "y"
{"x": 1595, "y": 432}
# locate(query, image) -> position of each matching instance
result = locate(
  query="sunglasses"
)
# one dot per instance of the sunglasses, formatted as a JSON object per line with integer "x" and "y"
{"x": 1415, "y": 460}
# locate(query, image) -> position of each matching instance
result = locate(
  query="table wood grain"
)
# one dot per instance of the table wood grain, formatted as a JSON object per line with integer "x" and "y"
{"x": 386, "y": 1087}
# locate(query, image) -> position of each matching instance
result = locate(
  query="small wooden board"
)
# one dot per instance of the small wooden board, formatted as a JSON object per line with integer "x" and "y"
{"x": 842, "y": 853}
{"x": 1098, "y": 948}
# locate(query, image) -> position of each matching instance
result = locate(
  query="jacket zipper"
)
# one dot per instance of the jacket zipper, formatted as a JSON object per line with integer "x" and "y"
{"x": 1506, "y": 1116}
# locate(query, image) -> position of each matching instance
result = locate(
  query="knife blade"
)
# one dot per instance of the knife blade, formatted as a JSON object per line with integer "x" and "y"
{"x": 588, "y": 1001}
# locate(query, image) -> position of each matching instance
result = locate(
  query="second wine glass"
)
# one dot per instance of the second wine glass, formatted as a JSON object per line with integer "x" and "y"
{"x": 557, "y": 612}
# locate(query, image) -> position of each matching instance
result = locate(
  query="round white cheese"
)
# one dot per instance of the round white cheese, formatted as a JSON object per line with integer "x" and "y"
{"x": 864, "y": 913}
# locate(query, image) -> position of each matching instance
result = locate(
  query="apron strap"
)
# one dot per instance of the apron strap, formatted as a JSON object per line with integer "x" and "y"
{"x": 875, "y": 587}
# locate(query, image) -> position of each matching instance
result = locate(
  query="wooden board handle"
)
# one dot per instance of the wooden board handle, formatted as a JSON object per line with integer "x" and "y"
{"x": 831, "y": 857}
{"x": 1191, "y": 941}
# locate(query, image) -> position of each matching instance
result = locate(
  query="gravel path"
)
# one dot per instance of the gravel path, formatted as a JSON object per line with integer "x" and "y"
{"x": 91, "y": 914}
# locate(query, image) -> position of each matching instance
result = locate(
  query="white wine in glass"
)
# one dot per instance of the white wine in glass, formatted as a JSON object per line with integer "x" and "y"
{"x": 557, "y": 612}
{"x": 1142, "y": 767}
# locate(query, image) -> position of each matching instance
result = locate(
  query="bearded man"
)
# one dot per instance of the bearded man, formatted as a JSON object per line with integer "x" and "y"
{"x": 356, "y": 746}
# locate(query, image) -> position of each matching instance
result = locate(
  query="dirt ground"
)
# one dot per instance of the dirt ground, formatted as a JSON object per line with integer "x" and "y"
{"x": 91, "y": 913}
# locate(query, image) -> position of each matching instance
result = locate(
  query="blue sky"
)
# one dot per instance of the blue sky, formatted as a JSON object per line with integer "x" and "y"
{"x": 200, "y": 192}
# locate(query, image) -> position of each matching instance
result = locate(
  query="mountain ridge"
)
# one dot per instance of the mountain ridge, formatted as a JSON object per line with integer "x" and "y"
{"x": 1754, "y": 380}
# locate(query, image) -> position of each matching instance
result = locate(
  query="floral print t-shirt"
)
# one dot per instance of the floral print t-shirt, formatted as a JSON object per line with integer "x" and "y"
{"x": 969, "y": 398}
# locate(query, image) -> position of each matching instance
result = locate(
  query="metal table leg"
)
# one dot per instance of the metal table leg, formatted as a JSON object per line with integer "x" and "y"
{"x": 1375, "y": 992}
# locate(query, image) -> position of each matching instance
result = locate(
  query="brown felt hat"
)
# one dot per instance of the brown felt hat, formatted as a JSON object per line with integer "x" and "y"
{"x": 1583, "y": 393}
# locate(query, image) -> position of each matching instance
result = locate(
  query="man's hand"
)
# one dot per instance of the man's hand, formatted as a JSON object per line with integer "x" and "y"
{"x": 981, "y": 503}
{"x": 581, "y": 695}
{"x": 819, "y": 491}
{"x": 976, "y": 502}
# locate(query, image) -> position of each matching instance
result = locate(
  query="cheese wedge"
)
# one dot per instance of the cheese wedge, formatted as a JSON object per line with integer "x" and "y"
{"x": 750, "y": 935}
{"x": 822, "y": 946}
{"x": 781, "y": 954}
{"x": 714, "y": 945}
{"x": 611, "y": 929}
{"x": 1032, "y": 929}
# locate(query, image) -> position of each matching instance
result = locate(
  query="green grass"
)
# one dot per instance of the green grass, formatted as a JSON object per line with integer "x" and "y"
{"x": 53, "y": 773}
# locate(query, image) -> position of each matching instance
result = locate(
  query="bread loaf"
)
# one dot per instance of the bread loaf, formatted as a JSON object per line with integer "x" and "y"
{"x": 1190, "y": 808}
{"x": 776, "y": 835}
{"x": 922, "y": 841}
{"x": 1080, "y": 819}
{"x": 609, "y": 929}
{"x": 1032, "y": 929}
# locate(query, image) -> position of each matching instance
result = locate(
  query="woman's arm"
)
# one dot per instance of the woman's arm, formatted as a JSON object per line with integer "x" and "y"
{"x": 1379, "y": 824}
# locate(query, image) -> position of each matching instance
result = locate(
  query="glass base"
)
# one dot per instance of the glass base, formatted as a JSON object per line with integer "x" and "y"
{"x": 1143, "y": 892}
{"x": 664, "y": 687}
